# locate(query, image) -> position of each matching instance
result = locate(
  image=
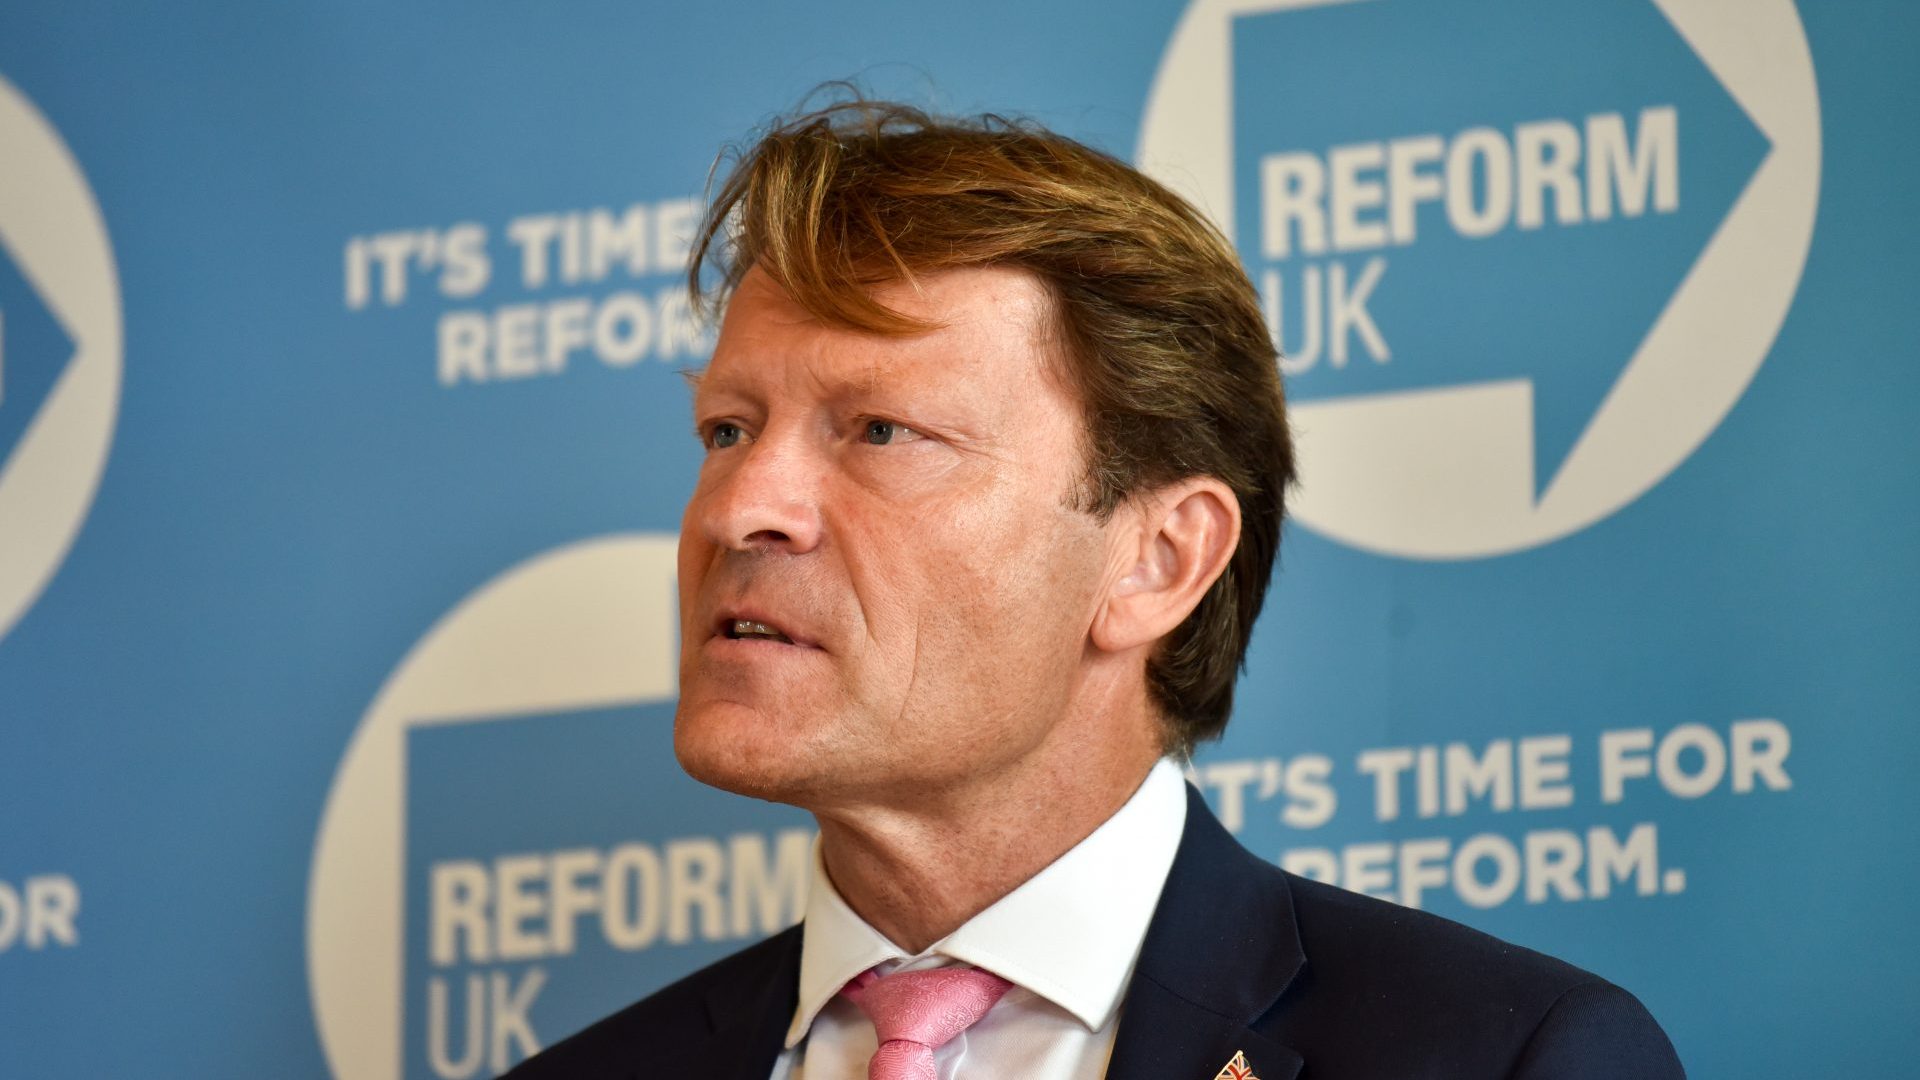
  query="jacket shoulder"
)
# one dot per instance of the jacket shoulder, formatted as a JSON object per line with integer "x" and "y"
{"x": 681, "y": 1015}
{"x": 1392, "y": 991}
{"x": 1349, "y": 935}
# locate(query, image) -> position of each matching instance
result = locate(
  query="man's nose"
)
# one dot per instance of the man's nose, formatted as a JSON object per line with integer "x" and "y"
{"x": 766, "y": 500}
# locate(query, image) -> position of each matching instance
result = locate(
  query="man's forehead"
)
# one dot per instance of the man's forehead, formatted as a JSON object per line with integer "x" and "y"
{"x": 982, "y": 320}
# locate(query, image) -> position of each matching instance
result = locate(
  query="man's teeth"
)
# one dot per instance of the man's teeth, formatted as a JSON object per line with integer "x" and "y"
{"x": 749, "y": 628}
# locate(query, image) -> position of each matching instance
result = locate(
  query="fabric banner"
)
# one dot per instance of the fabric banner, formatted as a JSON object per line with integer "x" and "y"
{"x": 343, "y": 442}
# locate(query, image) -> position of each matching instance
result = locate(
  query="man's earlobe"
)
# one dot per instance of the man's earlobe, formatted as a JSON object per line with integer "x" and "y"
{"x": 1185, "y": 535}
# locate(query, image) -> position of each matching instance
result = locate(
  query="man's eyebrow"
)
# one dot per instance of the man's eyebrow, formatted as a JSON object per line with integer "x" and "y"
{"x": 872, "y": 379}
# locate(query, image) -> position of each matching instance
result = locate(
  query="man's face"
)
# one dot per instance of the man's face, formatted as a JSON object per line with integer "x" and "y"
{"x": 897, "y": 513}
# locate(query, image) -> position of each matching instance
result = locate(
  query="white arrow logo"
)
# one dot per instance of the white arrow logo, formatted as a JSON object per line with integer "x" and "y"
{"x": 51, "y": 228}
{"x": 1447, "y": 473}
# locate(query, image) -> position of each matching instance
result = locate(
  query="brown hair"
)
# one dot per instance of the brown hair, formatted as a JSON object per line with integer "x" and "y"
{"x": 1164, "y": 339}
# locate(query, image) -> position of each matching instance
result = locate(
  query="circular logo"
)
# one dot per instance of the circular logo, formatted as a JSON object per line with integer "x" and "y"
{"x": 59, "y": 352}
{"x": 1429, "y": 447}
{"x": 587, "y": 625}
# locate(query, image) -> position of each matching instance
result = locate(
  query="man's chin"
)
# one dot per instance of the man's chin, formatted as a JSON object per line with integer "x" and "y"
{"x": 724, "y": 747}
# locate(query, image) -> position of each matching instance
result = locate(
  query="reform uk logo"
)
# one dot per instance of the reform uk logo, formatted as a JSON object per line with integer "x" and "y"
{"x": 1522, "y": 259}
{"x": 583, "y": 627}
{"x": 60, "y": 350}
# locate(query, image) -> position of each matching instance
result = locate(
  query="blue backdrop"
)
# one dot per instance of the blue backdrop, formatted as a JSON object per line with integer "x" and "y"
{"x": 343, "y": 442}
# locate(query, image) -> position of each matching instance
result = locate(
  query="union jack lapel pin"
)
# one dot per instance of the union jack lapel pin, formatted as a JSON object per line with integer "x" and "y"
{"x": 1237, "y": 1069}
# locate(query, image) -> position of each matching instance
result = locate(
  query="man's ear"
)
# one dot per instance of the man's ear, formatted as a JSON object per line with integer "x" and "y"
{"x": 1177, "y": 543}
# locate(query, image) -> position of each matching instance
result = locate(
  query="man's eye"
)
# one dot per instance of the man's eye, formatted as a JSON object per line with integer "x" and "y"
{"x": 882, "y": 432}
{"x": 721, "y": 436}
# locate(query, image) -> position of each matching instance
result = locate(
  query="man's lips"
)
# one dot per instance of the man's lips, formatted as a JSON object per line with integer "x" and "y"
{"x": 747, "y": 628}
{"x": 751, "y": 626}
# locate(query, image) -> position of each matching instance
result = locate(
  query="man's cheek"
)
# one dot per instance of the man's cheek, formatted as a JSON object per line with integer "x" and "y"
{"x": 690, "y": 569}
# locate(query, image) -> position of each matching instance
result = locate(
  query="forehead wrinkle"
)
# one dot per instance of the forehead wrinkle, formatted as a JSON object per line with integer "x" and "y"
{"x": 844, "y": 366}
{"x": 860, "y": 381}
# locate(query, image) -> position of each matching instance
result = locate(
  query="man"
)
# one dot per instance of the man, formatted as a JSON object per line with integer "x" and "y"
{"x": 995, "y": 465}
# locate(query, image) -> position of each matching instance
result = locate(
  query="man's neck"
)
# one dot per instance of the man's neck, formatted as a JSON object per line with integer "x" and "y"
{"x": 916, "y": 874}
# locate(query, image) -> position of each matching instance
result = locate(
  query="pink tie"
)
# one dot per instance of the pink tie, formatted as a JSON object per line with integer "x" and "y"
{"x": 916, "y": 1012}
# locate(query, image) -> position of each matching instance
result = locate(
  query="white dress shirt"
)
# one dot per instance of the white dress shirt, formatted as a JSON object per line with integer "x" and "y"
{"x": 1067, "y": 939}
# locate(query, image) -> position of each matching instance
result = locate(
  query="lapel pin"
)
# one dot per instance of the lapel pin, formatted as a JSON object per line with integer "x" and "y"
{"x": 1237, "y": 1069}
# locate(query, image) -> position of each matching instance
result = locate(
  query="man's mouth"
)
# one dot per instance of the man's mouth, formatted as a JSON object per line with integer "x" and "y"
{"x": 749, "y": 630}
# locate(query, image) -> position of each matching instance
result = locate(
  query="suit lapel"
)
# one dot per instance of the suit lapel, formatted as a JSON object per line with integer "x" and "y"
{"x": 748, "y": 1016}
{"x": 1164, "y": 1036}
{"x": 1220, "y": 951}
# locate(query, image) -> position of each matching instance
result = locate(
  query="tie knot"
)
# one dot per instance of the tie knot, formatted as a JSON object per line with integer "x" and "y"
{"x": 926, "y": 1008}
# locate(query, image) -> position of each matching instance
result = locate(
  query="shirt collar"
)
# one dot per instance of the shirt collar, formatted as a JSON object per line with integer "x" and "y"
{"x": 1070, "y": 933}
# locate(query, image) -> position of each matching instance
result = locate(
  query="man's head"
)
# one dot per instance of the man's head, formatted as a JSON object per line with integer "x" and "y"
{"x": 987, "y": 406}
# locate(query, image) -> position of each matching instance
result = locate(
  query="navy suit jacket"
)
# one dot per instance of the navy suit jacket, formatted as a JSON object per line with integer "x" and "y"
{"x": 1310, "y": 981}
